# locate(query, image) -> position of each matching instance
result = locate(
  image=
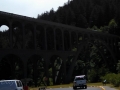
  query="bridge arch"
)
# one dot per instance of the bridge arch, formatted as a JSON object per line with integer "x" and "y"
{"x": 13, "y": 64}
{"x": 84, "y": 43}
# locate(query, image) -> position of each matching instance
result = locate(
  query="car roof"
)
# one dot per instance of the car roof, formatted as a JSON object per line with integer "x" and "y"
{"x": 80, "y": 76}
{"x": 8, "y": 80}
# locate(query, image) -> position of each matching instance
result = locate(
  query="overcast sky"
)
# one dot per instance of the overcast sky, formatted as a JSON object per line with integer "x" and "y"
{"x": 30, "y": 8}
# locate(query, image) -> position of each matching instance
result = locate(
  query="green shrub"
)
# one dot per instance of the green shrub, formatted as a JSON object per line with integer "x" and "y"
{"x": 112, "y": 78}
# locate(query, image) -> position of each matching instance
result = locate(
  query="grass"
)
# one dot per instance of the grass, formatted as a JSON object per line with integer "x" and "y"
{"x": 70, "y": 85}
{"x": 67, "y": 85}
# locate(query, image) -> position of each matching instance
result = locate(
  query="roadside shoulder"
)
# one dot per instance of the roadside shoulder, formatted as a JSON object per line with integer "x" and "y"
{"x": 108, "y": 88}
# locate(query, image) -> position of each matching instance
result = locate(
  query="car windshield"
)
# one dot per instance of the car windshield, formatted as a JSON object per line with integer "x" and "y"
{"x": 78, "y": 78}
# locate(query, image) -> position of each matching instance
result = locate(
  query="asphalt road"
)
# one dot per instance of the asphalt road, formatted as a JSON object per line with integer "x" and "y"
{"x": 89, "y": 88}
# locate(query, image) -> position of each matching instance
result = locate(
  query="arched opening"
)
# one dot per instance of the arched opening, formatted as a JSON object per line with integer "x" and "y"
{"x": 29, "y": 37}
{"x": 66, "y": 40}
{"x": 50, "y": 38}
{"x": 58, "y": 38}
{"x": 40, "y": 37}
{"x": 17, "y": 34}
{"x": 55, "y": 69}
{"x": 68, "y": 63}
{"x": 36, "y": 70}
{"x": 74, "y": 41}
{"x": 4, "y": 33}
{"x": 4, "y": 28}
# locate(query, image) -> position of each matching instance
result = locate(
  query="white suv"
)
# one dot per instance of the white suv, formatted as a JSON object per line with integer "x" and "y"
{"x": 11, "y": 85}
{"x": 80, "y": 81}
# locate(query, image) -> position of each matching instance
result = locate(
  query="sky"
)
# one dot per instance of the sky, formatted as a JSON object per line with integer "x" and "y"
{"x": 30, "y": 8}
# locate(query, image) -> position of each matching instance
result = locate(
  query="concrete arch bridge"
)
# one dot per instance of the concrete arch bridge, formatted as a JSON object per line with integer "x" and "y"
{"x": 33, "y": 48}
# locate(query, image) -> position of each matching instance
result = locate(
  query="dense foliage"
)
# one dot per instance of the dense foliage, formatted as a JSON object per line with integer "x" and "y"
{"x": 88, "y": 14}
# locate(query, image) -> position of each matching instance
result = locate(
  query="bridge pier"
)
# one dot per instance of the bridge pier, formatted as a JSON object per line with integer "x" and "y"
{"x": 35, "y": 72}
{"x": 13, "y": 70}
{"x": 64, "y": 70}
{"x": 25, "y": 71}
{"x": 53, "y": 73}
{"x": 47, "y": 70}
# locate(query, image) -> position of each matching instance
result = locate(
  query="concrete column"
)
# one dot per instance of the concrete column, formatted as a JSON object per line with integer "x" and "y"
{"x": 45, "y": 38}
{"x": 63, "y": 40}
{"x": 13, "y": 69}
{"x": 25, "y": 71}
{"x": 47, "y": 61}
{"x": 35, "y": 74}
{"x": 54, "y": 39}
{"x": 70, "y": 71}
{"x": 112, "y": 44}
{"x": 53, "y": 73}
{"x": 77, "y": 45}
{"x": 10, "y": 35}
{"x": 23, "y": 35}
{"x": 83, "y": 37}
{"x": 70, "y": 41}
{"x": 115, "y": 46}
{"x": 107, "y": 41}
{"x": 64, "y": 70}
{"x": 35, "y": 43}
{"x": 88, "y": 36}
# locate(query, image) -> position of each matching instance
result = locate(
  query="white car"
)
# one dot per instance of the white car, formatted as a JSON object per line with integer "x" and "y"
{"x": 11, "y": 85}
{"x": 80, "y": 81}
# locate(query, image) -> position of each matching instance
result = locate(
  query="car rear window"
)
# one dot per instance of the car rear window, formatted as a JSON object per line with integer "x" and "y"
{"x": 79, "y": 79}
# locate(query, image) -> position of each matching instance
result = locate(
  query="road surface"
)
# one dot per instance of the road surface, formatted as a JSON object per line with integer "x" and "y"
{"x": 89, "y": 88}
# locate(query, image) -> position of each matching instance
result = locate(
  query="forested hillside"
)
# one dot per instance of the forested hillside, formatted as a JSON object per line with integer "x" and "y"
{"x": 98, "y": 14}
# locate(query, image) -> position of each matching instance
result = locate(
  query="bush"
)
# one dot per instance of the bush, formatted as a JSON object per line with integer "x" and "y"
{"x": 112, "y": 78}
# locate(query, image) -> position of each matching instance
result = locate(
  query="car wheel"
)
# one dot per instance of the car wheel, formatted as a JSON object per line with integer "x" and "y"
{"x": 74, "y": 87}
{"x": 85, "y": 87}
